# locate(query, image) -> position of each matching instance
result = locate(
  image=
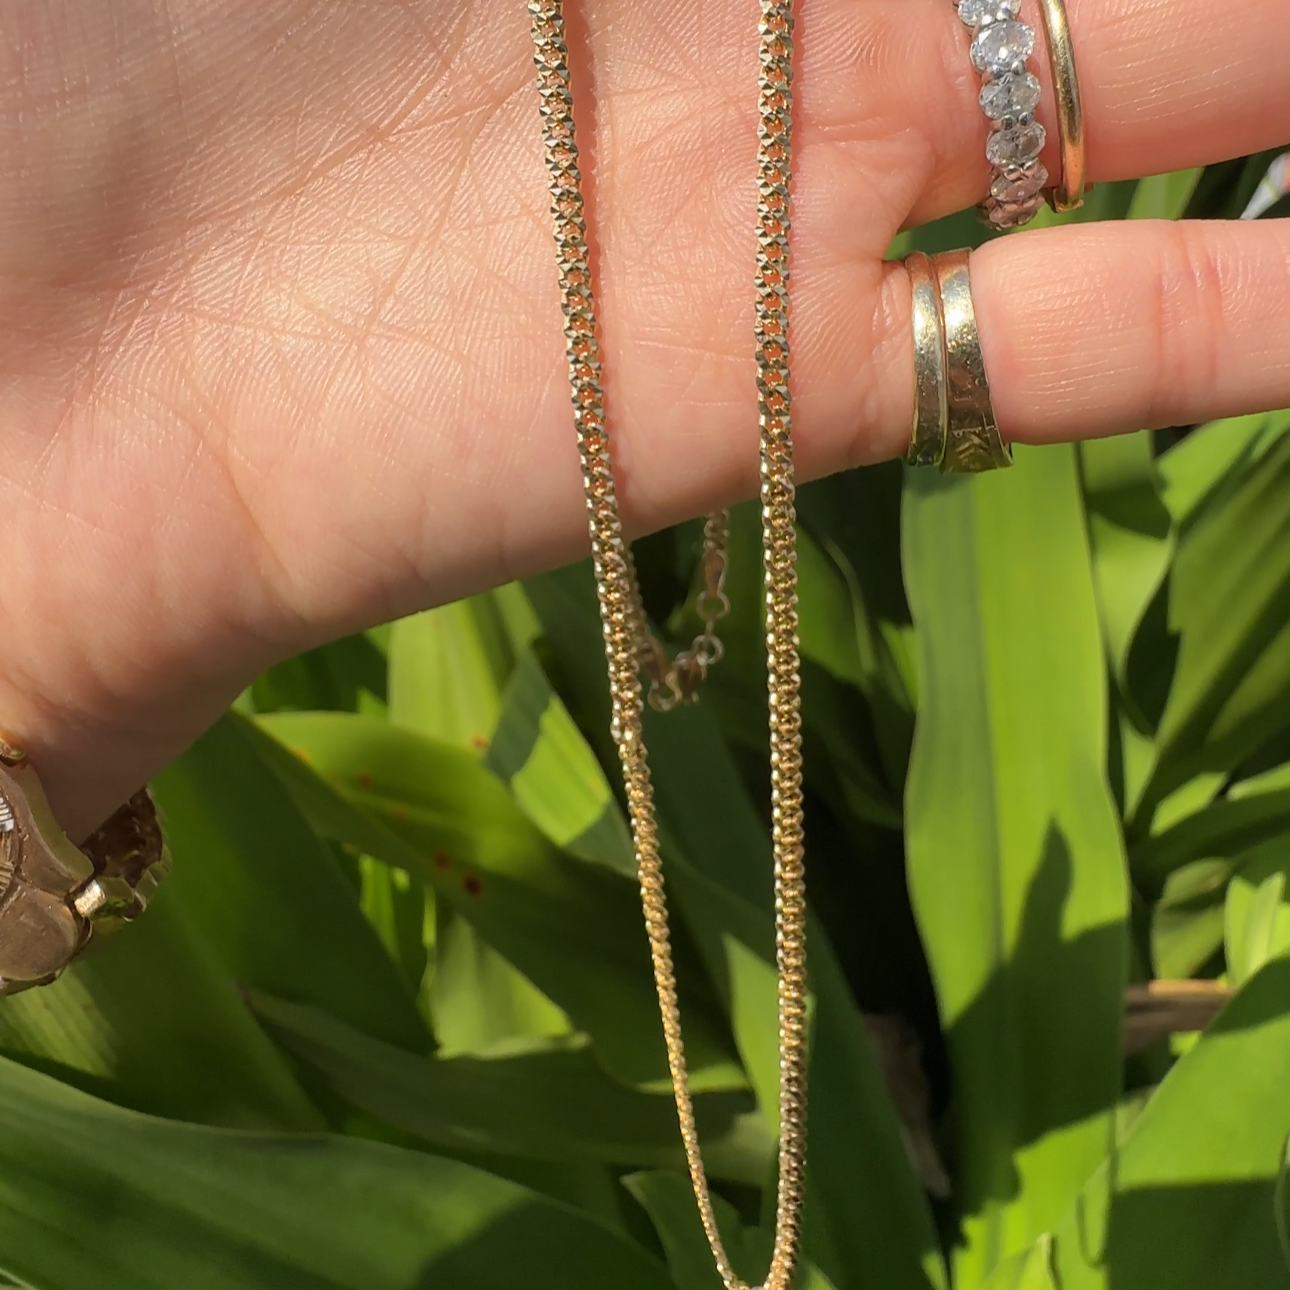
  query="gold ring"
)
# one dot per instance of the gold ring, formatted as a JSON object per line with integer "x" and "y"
{"x": 973, "y": 441}
{"x": 931, "y": 395}
{"x": 1069, "y": 196}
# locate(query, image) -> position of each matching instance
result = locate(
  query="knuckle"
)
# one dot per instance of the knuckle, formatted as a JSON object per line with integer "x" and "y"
{"x": 1189, "y": 282}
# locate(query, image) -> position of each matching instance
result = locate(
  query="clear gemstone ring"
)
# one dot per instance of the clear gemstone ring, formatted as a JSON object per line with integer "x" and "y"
{"x": 1001, "y": 48}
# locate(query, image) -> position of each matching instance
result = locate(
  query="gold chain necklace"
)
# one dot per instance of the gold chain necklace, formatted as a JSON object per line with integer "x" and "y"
{"x": 628, "y": 645}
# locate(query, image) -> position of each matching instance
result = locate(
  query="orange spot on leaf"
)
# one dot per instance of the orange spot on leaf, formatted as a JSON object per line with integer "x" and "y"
{"x": 472, "y": 884}
{"x": 442, "y": 860}
{"x": 364, "y": 778}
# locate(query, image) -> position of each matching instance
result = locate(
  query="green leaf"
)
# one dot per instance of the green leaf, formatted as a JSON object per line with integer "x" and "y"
{"x": 1015, "y": 858}
{"x": 555, "y": 1103}
{"x": 478, "y": 999}
{"x": 1188, "y": 920}
{"x": 670, "y": 1203}
{"x": 347, "y": 675}
{"x": 553, "y": 775}
{"x": 95, "y": 1198}
{"x": 1164, "y": 196}
{"x": 854, "y": 517}
{"x": 1131, "y": 535}
{"x": 573, "y": 929}
{"x": 153, "y": 1021}
{"x": 1258, "y": 910}
{"x": 266, "y": 892}
{"x": 1030, "y": 1270}
{"x": 1230, "y": 607}
{"x": 395, "y": 905}
{"x": 1282, "y": 1200}
{"x": 1252, "y": 811}
{"x": 845, "y": 758}
{"x": 1193, "y": 1185}
{"x": 1205, "y": 464}
{"x": 864, "y": 1225}
{"x": 447, "y": 669}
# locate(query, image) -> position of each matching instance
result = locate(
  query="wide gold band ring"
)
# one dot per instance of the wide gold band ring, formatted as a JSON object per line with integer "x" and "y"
{"x": 954, "y": 421}
{"x": 1069, "y": 194}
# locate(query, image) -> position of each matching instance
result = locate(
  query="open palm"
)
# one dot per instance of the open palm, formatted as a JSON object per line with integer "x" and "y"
{"x": 282, "y": 350}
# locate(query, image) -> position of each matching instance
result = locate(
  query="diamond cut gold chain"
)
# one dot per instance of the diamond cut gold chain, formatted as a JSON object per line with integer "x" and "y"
{"x": 628, "y": 647}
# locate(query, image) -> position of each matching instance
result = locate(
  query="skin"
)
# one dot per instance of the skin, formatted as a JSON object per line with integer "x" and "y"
{"x": 281, "y": 350}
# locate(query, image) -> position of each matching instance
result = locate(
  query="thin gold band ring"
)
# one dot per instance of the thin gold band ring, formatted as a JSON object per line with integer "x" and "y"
{"x": 931, "y": 397}
{"x": 1069, "y": 194}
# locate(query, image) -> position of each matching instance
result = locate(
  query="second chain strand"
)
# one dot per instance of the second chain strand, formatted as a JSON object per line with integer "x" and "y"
{"x": 620, "y": 597}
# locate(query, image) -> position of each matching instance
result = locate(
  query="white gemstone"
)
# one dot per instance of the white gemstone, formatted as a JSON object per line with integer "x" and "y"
{"x": 1015, "y": 147}
{"x": 1010, "y": 96}
{"x": 1020, "y": 185}
{"x": 1008, "y": 217}
{"x": 999, "y": 47}
{"x": 976, "y": 13}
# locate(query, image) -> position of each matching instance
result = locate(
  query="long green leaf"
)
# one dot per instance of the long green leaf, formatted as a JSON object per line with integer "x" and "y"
{"x": 1281, "y": 1199}
{"x": 555, "y": 1103}
{"x": 1015, "y": 859}
{"x": 1030, "y": 1270}
{"x": 449, "y": 668}
{"x": 268, "y": 894}
{"x": 1229, "y": 604}
{"x": 95, "y": 1198}
{"x": 347, "y": 675}
{"x": 867, "y": 1221}
{"x": 1194, "y": 1182}
{"x": 1207, "y": 462}
{"x": 1187, "y": 921}
{"x": 153, "y": 1021}
{"x": 1131, "y": 534}
{"x": 553, "y": 775}
{"x": 1251, "y": 811}
{"x": 1258, "y": 910}
{"x": 670, "y": 1204}
{"x": 572, "y": 928}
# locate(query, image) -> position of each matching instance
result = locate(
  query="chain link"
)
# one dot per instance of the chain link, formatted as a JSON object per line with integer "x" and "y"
{"x": 629, "y": 647}
{"x": 678, "y": 682}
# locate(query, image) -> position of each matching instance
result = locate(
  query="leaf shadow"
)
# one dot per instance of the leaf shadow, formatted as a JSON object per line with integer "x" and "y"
{"x": 1038, "y": 1048}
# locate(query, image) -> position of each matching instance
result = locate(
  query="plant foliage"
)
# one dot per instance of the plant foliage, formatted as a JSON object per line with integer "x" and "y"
{"x": 392, "y": 1022}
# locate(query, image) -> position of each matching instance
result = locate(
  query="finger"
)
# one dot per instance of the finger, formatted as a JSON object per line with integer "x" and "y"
{"x": 1166, "y": 84}
{"x": 1091, "y": 330}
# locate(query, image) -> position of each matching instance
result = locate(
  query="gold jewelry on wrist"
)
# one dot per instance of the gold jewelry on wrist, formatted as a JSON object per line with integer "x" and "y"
{"x": 973, "y": 441}
{"x": 1069, "y": 194}
{"x": 55, "y": 898}
{"x": 931, "y": 395}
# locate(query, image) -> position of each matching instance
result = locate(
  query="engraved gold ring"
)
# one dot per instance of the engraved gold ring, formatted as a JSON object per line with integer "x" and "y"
{"x": 954, "y": 421}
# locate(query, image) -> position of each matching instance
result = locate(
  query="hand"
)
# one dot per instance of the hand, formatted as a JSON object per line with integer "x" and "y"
{"x": 282, "y": 353}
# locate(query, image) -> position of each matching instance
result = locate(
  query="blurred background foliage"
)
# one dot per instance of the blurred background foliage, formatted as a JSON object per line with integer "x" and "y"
{"x": 391, "y": 1024}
